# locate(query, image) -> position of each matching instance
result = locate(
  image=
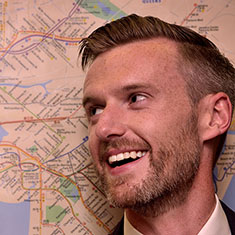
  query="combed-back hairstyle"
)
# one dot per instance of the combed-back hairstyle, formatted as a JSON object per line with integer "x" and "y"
{"x": 134, "y": 28}
{"x": 204, "y": 68}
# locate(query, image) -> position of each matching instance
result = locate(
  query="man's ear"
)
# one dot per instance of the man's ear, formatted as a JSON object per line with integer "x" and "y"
{"x": 215, "y": 114}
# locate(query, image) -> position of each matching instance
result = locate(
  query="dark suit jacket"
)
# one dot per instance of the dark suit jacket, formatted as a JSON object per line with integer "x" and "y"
{"x": 230, "y": 216}
{"x": 119, "y": 229}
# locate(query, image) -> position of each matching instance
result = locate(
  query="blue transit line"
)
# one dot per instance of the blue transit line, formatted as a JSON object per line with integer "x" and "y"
{"x": 3, "y": 154}
{"x": 25, "y": 49}
{"x": 32, "y": 170}
{"x": 36, "y": 168}
{"x": 20, "y": 164}
{"x": 225, "y": 172}
{"x": 47, "y": 35}
{"x": 84, "y": 141}
{"x": 30, "y": 86}
{"x": 18, "y": 156}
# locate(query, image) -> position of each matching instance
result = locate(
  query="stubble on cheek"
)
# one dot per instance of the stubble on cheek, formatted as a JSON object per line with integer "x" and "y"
{"x": 116, "y": 189}
{"x": 169, "y": 176}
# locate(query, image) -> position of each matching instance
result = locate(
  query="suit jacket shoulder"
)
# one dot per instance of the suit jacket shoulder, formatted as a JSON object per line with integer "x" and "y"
{"x": 230, "y": 216}
{"x": 119, "y": 229}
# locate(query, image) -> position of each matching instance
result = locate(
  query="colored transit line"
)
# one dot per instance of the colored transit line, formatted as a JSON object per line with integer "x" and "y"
{"x": 41, "y": 188}
{"x": 46, "y": 35}
{"x": 185, "y": 19}
{"x": 43, "y": 36}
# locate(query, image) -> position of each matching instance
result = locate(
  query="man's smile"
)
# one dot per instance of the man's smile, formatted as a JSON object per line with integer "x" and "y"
{"x": 125, "y": 157}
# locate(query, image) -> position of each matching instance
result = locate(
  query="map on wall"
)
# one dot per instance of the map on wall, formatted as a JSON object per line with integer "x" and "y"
{"x": 47, "y": 181}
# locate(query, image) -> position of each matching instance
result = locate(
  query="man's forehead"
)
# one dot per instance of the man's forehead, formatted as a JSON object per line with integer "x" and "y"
{"x": 145, "y": 47}
{"x": 160, "y": 50}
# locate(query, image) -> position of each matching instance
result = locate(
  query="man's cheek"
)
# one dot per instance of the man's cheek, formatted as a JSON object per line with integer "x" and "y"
{"x": 93, "y": 152}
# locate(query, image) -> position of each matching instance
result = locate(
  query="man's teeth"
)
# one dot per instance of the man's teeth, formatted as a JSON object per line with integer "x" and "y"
{"x": 126, "y": 155}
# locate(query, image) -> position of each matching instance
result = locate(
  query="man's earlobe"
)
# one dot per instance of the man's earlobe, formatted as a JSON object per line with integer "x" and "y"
{"x": 217, "y": 118}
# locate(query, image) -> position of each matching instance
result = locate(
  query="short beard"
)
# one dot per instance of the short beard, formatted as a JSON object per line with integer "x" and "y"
{"x": 170, "y": 176}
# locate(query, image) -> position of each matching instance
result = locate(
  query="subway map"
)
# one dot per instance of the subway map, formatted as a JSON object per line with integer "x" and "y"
{"x": 48, "y": 184}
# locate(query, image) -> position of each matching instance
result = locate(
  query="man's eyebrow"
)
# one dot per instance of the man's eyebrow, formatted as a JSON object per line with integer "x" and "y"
{"x": 128, "y": 87}
{"x": 134, "y": 86}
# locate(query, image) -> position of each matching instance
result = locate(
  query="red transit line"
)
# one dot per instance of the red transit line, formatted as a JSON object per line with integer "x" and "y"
{"x": 195, "y": 7}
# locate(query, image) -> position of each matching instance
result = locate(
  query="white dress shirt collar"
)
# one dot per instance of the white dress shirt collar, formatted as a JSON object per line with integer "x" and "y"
{"x": 216, "y": 225}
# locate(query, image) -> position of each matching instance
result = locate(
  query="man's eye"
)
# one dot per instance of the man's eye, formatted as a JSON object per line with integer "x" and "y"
{"x": 95, "y": 110}
{"x": 137, "y": 98}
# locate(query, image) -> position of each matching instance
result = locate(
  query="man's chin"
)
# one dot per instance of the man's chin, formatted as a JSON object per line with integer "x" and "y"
{"x": 119, "y": 192}
{"x": 121, "y": 198}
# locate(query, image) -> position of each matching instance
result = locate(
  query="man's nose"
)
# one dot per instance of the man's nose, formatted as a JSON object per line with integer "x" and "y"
{"x": 110, "y": 124}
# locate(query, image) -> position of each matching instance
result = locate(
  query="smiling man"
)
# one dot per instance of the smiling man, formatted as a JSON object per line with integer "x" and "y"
{"x": 159, "y": 101}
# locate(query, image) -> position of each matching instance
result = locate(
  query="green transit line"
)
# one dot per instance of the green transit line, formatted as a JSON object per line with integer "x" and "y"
{"x": 61, "y": 137}
{"x": 4, "y": 90}
{"x": 8, "y": 168}
{"x": 56, "y": 147}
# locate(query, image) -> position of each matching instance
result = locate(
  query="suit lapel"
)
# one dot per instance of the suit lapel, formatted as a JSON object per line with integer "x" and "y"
{"x": 230, "y": 216}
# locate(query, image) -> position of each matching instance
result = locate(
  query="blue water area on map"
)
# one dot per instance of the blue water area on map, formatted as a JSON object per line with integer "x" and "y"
{"x": 230, "y": 194}
{"x": 106, "y": 9}
{"x": 29, "y": 86}
{"x": 14, "y": 218}
{"x": 2, "y": 133}
{"x": 231, "y": 132}
{"x": 74, "y": 194}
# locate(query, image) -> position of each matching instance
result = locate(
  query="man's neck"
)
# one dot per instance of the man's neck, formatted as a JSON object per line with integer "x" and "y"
{"x": 188, "y": 218}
